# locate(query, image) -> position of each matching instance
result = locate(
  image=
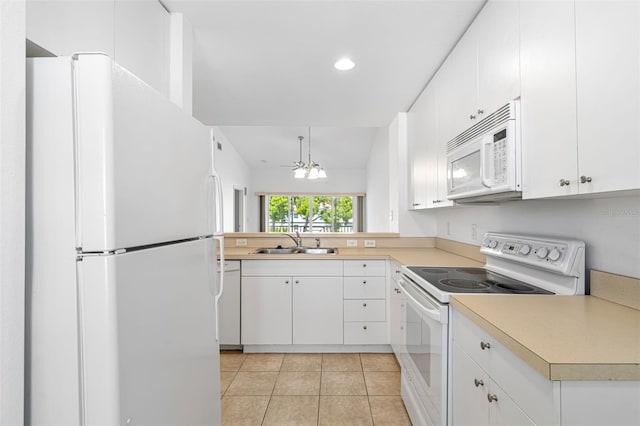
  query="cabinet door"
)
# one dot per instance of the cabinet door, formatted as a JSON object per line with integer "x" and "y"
{"x": 317, "y": 310}
{"x": 395, "y": 317}
{"x": 498, "y": 34}
{"x": 608, "y": 87}
{"x": 503, "y": 411}
{"x": 442, "y": 176}
{"x": 266, "y": 310}
{"x": 549, "y": 130}
{"x": 458, "y": 92}
{"x": 417, "y": 141}
{"x": 470, "y": 386}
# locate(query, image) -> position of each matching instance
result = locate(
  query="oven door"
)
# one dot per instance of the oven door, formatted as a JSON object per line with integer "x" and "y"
{"x": 426, "y": 346}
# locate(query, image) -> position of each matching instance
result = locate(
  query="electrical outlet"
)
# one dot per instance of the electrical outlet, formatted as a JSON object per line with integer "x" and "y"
{"x": 352, "y": 243}
{"x": 369, "y": 243}
{"x": 241, "y": 242}
{"x": 474, "y": 231}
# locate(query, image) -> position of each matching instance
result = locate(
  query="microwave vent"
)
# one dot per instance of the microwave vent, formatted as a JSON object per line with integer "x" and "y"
{"x": 499, "y": 117}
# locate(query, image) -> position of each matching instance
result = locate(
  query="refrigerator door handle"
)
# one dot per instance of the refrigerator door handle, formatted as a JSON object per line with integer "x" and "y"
{"x": 221, "y": 289}
{"x": 218, "y": 223}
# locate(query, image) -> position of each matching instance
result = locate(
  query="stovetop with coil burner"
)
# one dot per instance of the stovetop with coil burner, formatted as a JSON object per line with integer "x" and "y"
{"x": 473, "y": 280}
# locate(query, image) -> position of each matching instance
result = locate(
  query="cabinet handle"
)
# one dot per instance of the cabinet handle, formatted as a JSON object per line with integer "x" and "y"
{"x": 364, "y": 265}
{"x": 297, "y": 282}
{"x": 585, "y": 179}
{"x": 364, "y": 327}
{"x": 484, "y": 345}
{"x": 364, "y": 282}
{"x": 415, "y": 204}
{"x": 478, "y": 382}
{"x": 364, "y": 305}
{"x": 286, "y": 282}
{"x": 564, "y": 182}
{"x": 472, "y": 117}
{"x": 492, "y": 398}
{"x": 480, "y": 111}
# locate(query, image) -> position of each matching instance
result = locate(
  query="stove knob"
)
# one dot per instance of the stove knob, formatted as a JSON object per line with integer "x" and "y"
{"x": 542, "y": 252}
{"x": 525, "y": 249}
{"x": 485, "y": 242}
{"x": 555, "y": 254}
{"x": 493, "y": 244}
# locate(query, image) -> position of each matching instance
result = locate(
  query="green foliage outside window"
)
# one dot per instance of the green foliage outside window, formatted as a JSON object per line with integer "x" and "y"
{"x": 327, "y": 214}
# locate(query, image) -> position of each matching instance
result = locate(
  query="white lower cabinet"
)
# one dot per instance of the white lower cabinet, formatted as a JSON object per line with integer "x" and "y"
{"x": 492, "y": 386}
{"x": 266, "y": 311}
{"x": 292, "y": 309}
{"x": 317, "y": 310}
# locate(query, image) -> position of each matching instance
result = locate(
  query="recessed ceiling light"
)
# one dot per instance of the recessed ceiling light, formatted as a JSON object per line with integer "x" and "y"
{"x": 344, "y": 64}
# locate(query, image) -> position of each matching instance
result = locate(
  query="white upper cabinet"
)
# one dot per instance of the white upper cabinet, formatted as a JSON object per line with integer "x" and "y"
{"x": 421, "y": 132}
{"x": 608, "y": 94}
{"x": 549, "y": 131}
{"x": 482, "y": 72}
{"x": 498, "y": 33}
{"x": 580, "y": 97}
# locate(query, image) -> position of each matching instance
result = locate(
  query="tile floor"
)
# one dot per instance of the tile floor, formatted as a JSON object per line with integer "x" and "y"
{"x": 311, "y": 389}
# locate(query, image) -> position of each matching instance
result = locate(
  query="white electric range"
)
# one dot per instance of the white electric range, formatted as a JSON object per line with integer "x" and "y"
{"x": 516, "y": 264}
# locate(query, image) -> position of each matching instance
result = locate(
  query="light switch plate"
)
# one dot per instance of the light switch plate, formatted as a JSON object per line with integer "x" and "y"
{"x": 352, "y": 243}
{"x": 241, "y": 242}
{"x": 369, "y": 243}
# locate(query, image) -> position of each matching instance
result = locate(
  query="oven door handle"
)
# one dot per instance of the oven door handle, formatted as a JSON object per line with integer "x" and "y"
{"x": 434, "y": 313}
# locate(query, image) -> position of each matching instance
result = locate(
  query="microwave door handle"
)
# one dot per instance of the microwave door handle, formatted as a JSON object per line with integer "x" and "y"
{"x": 486, "y": 161}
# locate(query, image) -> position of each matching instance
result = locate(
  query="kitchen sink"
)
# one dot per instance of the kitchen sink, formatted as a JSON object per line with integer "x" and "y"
{"x": 295, "y": 250}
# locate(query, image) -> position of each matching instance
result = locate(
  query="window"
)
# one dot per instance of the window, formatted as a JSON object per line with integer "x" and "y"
{"x": 311, "y": 213}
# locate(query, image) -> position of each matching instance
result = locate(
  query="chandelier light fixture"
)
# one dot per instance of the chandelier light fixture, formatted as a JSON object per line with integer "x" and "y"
{"x": 311, "y": 170}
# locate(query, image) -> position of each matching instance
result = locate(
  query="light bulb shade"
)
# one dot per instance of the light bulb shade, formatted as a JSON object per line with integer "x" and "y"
{"x": 322, "y": 174}
{"x": 299, "y": 173}
{"x": 313, "y": 173}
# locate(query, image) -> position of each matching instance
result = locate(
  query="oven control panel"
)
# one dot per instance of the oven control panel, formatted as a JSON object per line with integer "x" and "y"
{"x": 551, "y": 254}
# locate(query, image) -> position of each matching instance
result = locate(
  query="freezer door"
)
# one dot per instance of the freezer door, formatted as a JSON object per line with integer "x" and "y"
{"x": 143, "y": 165}
{"x": 147, "y": 333}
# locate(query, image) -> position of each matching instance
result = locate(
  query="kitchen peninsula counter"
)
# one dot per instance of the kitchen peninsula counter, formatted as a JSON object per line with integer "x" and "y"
{"x": 562, "y": 337}
{"x": 404, "y": 256}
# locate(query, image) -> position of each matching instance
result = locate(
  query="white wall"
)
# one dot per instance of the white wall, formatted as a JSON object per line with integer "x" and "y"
{"x": 609, "y": 226}
{"x": 135, "y": 33}
{"x": 377, "y": 200}
{"x": 233, "y": 172}
{"x": 12, "y": 210}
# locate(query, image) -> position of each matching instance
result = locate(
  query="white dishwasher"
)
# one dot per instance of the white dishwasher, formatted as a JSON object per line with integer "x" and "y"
{"x": 229, "y": 306}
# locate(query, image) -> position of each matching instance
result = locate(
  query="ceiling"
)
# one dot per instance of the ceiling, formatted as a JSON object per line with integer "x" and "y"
{"x": 270, "y": 64}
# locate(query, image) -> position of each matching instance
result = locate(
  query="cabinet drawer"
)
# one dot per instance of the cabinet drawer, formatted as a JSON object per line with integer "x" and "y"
{"x": 364, "y": 310}
{"x": 470, "y": 337}
{"x": 365, "y": 268}
{"x": 365, "y": 333}
{"x": 364, "y": 288}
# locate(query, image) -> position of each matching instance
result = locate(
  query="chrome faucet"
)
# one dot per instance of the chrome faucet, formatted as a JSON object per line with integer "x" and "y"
{"x": 297, "y": 239}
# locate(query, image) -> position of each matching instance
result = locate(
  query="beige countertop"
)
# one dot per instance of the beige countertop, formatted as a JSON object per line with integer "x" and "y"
{"x": 405, "y": 256}
{"x": 563, "y": 337}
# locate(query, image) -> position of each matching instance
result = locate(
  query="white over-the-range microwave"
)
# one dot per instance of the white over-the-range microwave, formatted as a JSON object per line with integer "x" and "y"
{"x": 484, "y": 162}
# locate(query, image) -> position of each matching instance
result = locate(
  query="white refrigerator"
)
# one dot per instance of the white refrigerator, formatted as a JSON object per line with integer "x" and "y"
{"x": 123, "y": 225}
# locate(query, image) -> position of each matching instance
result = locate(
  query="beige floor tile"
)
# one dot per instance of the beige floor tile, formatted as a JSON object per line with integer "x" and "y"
{"x": 388, "y": 410}
{"x": 262, "y": 362}
{"x": 341, "y": 362}
{"x": 298, "y": 383}
{"x": 344, "y": 410}
{"x": 342, "y": 383}
{"x": 292, "y": 410}
{"x": 231, "y": 361}
{"x": 302, "y": 362}
{"x": 252, "y": 383}
{"x": 226, "y": 377}
{"x": 379, "y": 362}
{"x": 243, "y": 410}
{"x": 382, "y": 382}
